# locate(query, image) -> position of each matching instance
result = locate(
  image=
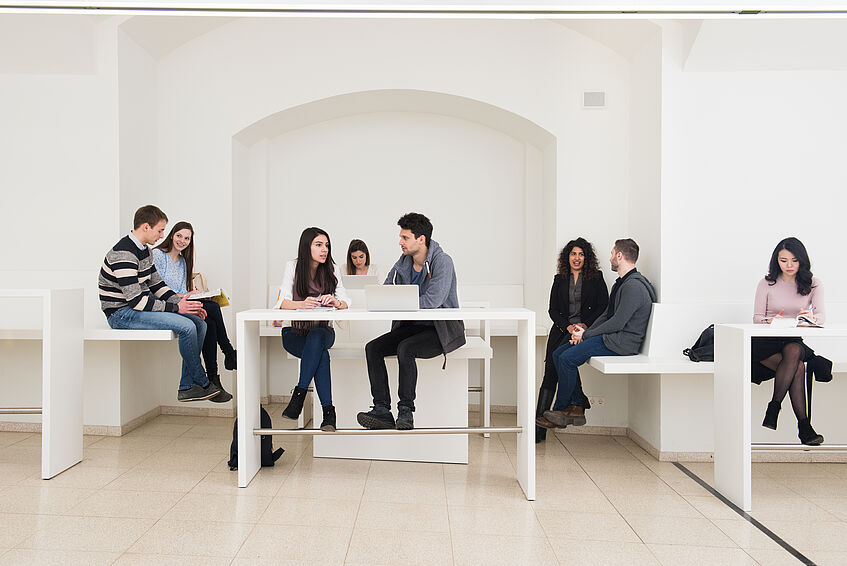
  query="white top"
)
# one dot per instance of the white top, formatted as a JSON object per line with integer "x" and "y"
{"x": 287, "y": 287}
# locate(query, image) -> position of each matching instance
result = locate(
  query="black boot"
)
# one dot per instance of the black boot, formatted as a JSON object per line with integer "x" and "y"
{"x": 771, "y": 415}
{"x": 223, "y": 396}
{"x": 292, "y": 411}
{"x": 807, "y": 434}
{"x": 328, "y": 424}
{"x": 231, "y": 360}
{"x": 545, "y": 399}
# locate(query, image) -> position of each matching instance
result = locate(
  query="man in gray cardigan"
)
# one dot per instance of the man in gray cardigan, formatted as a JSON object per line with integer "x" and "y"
{"x": 426, "y": 265}
{"x": 619, "y": 331}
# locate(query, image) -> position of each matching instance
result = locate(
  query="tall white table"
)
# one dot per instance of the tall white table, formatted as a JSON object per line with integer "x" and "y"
{"x": 61, "y": 336}
{"x": 733, "y": 395}
{"x": 249, "y": 371}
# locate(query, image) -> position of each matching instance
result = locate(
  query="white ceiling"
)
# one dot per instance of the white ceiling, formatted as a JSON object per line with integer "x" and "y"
{"x": 159, "y": 35}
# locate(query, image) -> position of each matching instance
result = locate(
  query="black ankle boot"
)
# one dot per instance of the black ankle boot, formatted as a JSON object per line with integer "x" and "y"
{"x": 328, "y": 423}
{"x": 807, "y": 434}
{"x": 223, "y": 396}
{"x": 295, "y": 406}
{"x": 545, "y": 399}
{"x": 771, "y": 415}
{"x": 231, "y": 360}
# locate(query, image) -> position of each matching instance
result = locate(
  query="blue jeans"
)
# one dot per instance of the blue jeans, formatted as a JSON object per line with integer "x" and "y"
{"x": 568, "y": 357}
{"x": 314, "y": 358}
{"x": 188, "y": 327}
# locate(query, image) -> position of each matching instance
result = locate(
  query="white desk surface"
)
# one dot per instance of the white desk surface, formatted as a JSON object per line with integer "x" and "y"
{"x": 362, "y": 314}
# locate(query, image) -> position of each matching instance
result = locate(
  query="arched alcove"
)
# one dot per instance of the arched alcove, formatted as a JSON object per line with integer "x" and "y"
{"x": 353, "y": 163}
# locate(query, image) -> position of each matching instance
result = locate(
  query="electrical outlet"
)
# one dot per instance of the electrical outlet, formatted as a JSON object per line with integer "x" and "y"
{"x": 597, "y": 400}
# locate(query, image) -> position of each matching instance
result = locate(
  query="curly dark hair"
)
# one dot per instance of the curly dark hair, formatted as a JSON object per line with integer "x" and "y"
{"x": 804, "y": 273}
{"x": 590, "y": 268}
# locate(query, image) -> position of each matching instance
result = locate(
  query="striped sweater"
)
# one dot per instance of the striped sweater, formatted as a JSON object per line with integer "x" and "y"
{"x": 128, "y": 278}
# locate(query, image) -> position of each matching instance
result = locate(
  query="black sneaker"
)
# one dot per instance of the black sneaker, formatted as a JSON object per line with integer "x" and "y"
{"x": 376, "y": 418}
{"x": 197, "y": 393}
{"x": 405, "y": 420}
{"x": 224, "y": 396}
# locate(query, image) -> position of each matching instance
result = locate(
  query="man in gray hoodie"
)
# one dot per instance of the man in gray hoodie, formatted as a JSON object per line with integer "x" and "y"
{"x": 619, "y": 331}
{"x": 426, "y": 265}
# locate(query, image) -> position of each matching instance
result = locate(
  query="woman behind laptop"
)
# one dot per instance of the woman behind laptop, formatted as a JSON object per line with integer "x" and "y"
{"x": 310, "y": 281}
{"x": 788, "y": 290}
{"x": 359, "y": 260}
{"x": 174, "y": 260}
{"x": 578, "y": 296}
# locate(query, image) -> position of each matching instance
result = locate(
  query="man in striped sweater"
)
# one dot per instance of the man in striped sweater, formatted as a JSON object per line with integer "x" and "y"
{"x": 133, "y": 296}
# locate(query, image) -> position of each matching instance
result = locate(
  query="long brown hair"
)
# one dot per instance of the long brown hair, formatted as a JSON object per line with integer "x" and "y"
{"x": 357, "y": 246}
{"x": 187, "y": 254}
{"x": 325, "y": 274}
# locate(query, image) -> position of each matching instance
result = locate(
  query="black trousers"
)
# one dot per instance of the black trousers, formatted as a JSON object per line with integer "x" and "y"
{"x": 407, "y": 341}
{"x": 215, "y": 335}
{"x": 550, "y": 380}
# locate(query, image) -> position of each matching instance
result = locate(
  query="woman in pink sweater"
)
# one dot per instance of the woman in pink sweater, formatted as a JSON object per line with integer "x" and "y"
{"x": 788, "y": 290}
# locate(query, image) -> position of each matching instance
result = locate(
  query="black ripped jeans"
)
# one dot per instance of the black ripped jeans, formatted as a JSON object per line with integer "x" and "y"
{"x": 215, "y": 335}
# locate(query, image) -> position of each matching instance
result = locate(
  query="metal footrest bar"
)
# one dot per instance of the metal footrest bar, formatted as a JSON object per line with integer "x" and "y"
{"x": 20, "y": 410}
{"x": 474, "y": 389}
{"x": 367, "y": 431}
{"x": 775, "y": 447}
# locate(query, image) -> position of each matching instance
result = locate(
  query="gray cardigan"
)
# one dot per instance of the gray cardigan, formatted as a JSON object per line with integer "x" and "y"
{"x": 623, "y": 332}
{"x": 438, "y": 291}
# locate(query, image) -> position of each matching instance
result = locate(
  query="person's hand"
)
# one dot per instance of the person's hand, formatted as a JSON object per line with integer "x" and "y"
{"x": 570, "y": 328}
{"x": 309, "y": 303}
{"x": 576, "y": 335}
{"x": 327, "y": 301}
{"x": 581, "y": 325}
{"x": 187, "y": 306}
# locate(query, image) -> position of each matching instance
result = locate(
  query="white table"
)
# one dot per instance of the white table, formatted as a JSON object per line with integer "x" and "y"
{"x": 733, "y": 394}
{"x": 248, "y": 383}
{"x": 61, "y": 334}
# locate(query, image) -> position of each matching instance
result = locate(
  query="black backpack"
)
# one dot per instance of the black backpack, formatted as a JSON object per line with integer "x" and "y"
{"x": 269, "y": 456}
{"x": 703, "y": 349}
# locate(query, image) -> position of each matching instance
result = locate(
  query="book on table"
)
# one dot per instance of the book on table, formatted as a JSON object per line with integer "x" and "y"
{"x": 801, "y": 321}
{"x": 216, "y": 295}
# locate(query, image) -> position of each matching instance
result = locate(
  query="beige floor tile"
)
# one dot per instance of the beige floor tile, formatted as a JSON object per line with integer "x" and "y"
{"x": 369, "y": 547}
{"x": 788, "y": 470}
{"x": 209, "y": 432}
{"x": 402, "y": 517}
{"x": 585, "y": 526}
{"x": 484, "y": 495}
{"x": 138, "y": 479}
{"x": 678, "y": 530}
{"x": 601, "y": 553}
{"x": 516, "y": 521}
{"x": 218, "y": 508}
{"x": 826, "y": 558}
{"x": 169, "y": 461}
{"x": 839, "y": 469}
{"x": 265, "y": 484}
{"x": 128, "y": 504}
{"x": 812, "y": 535}
{"x": 775, "y": 556}
{"x": 128, "y": 559}
{"x": 309, "y": 545}
{"x": 85, "y": 477}
{"x": 395, "y": 491}
{"x": 456, "y": 473}
{"x": 837, "y": 506}
{"x": 712, "y": 508}
{"x": 13, "y": 474}
{"x": 332, "y": 468}
{"x": 795, "y": 508}
{"x": 589, "y": 500}
{"x": 32, "y": 557}
{"x": 16, "y": 454}
{"x": 147, "y": 443}
{"x": 206, "y": 446}
{"x": 123, "y": 458}
{"x": 678, "y": 555}
{"x": 310, "y": 512}
{"x": 156, "y": 428}
{"x": 99, "y": 534}
{"x": 637, "y": 485}
{"x": 820, "y": 487}
{"x": 15, "y": 527}
{"x": 666, "y": 505}
{"x": 322, "y": 487}
{"x": 41, "y": 500}
{"x": 28, "y": 440}
{"x": 407, "y": 471}
{"x": 494, "y": 550}
{"x": 745, "y": 534}
{"x": 9, "y": 438}
{"x": 194, "y": 539}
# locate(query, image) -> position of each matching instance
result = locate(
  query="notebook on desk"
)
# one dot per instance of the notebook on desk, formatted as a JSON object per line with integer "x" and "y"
{"x": 392, "y": 297}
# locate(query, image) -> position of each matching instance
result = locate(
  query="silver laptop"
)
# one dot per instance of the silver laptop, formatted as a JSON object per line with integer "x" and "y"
{"x": 359, "y": 281}
{"x": 392, "y": 297}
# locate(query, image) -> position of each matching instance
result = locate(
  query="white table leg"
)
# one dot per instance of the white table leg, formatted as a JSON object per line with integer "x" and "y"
{"x": 62, "y": 382}
{"x": 526, "y": 406}
{"x": 485, "y": 394}
{"x": 248, "y": 388}
{"x": 733, "y": 468}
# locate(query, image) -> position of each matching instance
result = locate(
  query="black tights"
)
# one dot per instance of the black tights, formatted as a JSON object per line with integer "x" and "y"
{"x": 215, "y": 335}
{"x": 790, "y": 377}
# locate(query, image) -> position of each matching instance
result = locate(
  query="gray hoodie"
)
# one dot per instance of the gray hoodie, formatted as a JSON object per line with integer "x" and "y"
{"x": 624, "y": 329}
{"x": 438, "y": 291}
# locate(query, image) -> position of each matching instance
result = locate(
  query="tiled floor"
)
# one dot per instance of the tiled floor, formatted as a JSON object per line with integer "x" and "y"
{"x": 164, "y": 495}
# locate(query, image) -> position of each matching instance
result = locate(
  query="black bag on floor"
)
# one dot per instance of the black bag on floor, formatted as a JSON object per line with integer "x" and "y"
{"x": 269, "y": 456}
{"x": 703, "y": 349}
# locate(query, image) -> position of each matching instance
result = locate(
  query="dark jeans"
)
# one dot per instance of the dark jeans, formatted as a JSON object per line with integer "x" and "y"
{"x": 550, "y": 380}
{"x": 407, "y": 341}
{"x": 312, "y": 349}
{"x": 215, "y": 335}
{"x": 568, "y": 357}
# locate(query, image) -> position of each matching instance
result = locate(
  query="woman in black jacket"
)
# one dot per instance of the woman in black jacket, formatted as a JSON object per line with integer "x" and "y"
{"x": 579, "y": 295}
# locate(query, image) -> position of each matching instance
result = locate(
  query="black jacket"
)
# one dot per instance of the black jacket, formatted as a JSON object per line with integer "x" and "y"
{"x": 595, "y": 298}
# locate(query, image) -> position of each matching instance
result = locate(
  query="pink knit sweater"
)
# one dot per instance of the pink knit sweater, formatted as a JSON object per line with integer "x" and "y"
{"x": 782, "y": 296}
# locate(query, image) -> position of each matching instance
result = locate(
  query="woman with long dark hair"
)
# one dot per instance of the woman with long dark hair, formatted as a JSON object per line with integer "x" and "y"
{"x": 578, "y": 296}
{"x": 788, "y": 290}
{"x": 312, "y": 280}
{"x": 174, "y": 260}
{"x": 359, "y": 260}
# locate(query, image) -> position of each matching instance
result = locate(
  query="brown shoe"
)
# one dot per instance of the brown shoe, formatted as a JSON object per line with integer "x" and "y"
{"x": 575, "y": 415}
{"x": 558, "y": 418}
{"x": 543, "y": 422}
